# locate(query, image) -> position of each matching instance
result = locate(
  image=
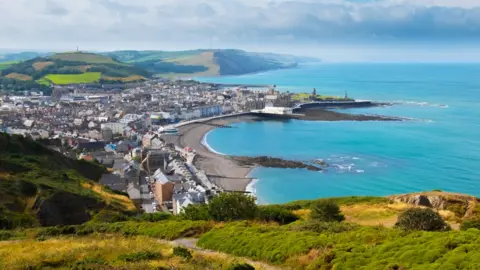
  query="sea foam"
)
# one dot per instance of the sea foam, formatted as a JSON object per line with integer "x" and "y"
{"x": 205, "y": 143}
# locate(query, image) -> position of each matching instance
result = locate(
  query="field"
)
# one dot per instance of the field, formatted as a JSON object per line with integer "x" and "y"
{"x": 87, "y": 77}
{"x": 18, "y": 76}
{"x": 103, "y": 252}
{"x": 205, "y": 59}
{"x": 41, "y": 65}
{"x": 4, "y": 65}
{"x": 133, "y": 78}
{"x": 89, "y": 58}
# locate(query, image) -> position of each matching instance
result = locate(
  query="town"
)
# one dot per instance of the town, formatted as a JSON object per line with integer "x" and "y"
{"x": 125, "y": 131}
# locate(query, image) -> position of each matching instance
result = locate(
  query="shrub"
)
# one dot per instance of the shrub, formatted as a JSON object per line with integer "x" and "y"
{"x": 109, "y": 216}
{"x": 424, "y": 219}
{"x": 140, "y": 256}
{"x": 5, "y": 235}
{"x": 470, "y": 224}
{"x": 321, "y": 226}
{"x": 326, "y": 210}
{"x": 241, "y": 266}
{"x": 182, "y": 252}
{"x": 196, "y": 212}
{"x": 152, "y": 217}
{"x": 277, "y": 214}
{"x": 232, "y": 206}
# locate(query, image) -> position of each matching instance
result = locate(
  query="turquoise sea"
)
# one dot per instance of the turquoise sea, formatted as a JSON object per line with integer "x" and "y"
{"x": 438, "y": 149}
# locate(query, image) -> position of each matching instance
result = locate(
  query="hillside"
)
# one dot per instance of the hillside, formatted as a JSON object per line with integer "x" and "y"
{"x": 207, "y": 62}
{"x": 67, "y": 68}
{"x": 40, "y": 187}
{"x": 288, "y": 236}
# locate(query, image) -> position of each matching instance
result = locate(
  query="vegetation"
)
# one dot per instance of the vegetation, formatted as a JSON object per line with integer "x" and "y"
{"x": 421, "y": 219}
{"x": 206, "y": 62}
{"x": 102, "y": 252}
{"x": 232, "y": 206}
{"x": 182, "y": 252}
{"x": 274, "y": 213}
{"x": 327, "y": 211}
{"x": 87, "y": 77}
{"x": 67, "y": 68}
{"x": 40, "y": 187}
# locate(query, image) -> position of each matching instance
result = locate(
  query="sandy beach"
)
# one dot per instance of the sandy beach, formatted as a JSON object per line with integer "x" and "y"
{"x": 221, "y": 170}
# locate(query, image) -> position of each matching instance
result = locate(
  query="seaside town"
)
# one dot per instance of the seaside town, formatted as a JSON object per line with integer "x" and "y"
{"x": 130, "y": 132}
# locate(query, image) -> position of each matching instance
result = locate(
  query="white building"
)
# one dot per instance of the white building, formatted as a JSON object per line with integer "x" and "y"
{"x": 117, "y": 128}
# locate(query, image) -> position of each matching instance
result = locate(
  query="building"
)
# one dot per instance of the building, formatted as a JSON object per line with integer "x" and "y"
{"x": 117, "y": 128}
{"x": 163, "y": 187}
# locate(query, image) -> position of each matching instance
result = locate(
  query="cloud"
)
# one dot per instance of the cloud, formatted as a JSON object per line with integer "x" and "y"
{"x": 198, "y": 22}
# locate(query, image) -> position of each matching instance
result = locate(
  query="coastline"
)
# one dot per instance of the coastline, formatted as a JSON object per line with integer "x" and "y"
{"x": 221, "y": 169}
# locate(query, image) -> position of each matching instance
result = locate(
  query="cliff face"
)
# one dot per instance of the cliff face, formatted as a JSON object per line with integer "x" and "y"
{"x": 464, "y": 206}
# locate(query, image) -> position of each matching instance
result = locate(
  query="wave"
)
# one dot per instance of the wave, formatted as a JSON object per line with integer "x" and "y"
{"x": 251, "y": 187}
{"x": 205, "y": 143}
{"x": 420, "y": 103}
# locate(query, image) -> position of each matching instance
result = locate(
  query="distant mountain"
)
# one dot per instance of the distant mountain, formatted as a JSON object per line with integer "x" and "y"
{"x": 207, "y": 62}
{"x": 41, "y": 187}
{"x": 67, "y": 68}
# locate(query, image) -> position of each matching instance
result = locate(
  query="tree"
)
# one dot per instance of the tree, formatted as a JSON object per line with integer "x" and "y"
{"x": 196, "y": 212}
{"x": 326, "y": 210}
{"x": 232, "y": 206}
{"x": 424, "y": 219}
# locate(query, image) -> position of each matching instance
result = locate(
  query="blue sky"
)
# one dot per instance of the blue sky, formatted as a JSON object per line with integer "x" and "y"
{"x": 336, "y": 30}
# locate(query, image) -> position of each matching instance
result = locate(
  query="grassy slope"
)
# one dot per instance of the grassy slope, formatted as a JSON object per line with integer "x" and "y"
{"x": 89, "y": 58}
{"x": 103, "y": 252}
{"x": 87, "y": 77}
{"x": 4, "y": 65}
{"x": 104, "y": 67}
{"x": 42, "y": 187}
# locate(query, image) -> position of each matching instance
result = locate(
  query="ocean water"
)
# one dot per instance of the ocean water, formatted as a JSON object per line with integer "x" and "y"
{"x": 439, "y": 148}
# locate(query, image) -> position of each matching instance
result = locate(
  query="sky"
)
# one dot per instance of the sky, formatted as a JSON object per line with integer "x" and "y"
{"x": 334, "y": 30}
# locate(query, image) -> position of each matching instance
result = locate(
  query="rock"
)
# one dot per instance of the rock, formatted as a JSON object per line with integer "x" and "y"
{"x": 271, "y": 162}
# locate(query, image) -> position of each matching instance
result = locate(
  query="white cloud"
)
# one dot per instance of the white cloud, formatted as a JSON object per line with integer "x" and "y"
{"x": 195, "y": 23}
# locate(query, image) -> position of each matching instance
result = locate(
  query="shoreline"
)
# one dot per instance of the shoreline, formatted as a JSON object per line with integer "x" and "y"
{"x": 220, "y": 168}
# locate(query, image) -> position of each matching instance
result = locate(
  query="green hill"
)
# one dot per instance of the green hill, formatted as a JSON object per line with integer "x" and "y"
{"x": 41, "y": 187}
{"x": 207, "y": 62}
{"x": 67, "y": 68}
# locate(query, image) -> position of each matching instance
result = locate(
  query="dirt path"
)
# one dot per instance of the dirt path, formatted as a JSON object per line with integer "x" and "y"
{"x": 191, "y": 243}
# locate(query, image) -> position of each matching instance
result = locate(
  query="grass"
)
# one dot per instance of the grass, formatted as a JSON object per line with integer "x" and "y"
{"x": 4, "y": 65}
{"x": 110, "y": 197}
{"x": 18, "y": 76}
{"x": 102, "y": 252}
{"x": 356, "y": 248}
{"x": 89, "y": 58}
{"x": 167, "y": 229}
{"x": 62, "y": 79}
{"x": 132, "y": 78}
{"x": 202, "y": 59}
{"x": 38, "y": 66}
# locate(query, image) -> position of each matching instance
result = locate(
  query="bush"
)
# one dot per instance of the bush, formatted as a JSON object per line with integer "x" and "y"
{"x": 424, "y": 219}
{"x": 326, "y": 210}
{"x": 6, "y": 235}
{"x": 277, "y": 214}
{"x": 196, "y": 212}
{"x": 321, "y": 226}
{"x": 470, "y": 224}
{"x": 241, "y": 266}
{"x": 140, "y": 256}
{"x": 232, "y": 206}
{"x": 182, "y": 252}
{"x": 152, "y": 217}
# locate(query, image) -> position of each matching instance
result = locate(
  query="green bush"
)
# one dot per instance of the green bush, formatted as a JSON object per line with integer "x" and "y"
{"x": 241, "y": 266}
{"x": 470, "y": 224}
{"x": 232, "y": 206}
{"x": 182, "y": 252}
{"x": 326, "y": 210}
{"x": 140, "y": 256}
{"x": 153, "y": 217}
{"x": 6, "y": 235}
{"x": 277, "y": 214}
{"x": 322, "y": 227}
{"x": 424, "y": 219}
{"x": 109, "y": 216}
{"x": 196, "y": 212}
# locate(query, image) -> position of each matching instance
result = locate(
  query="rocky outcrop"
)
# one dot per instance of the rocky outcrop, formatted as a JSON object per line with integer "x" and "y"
{"x": 463, "y": 206}
{"x": 63, "y": 208}
{"x": 271, "y": 162}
